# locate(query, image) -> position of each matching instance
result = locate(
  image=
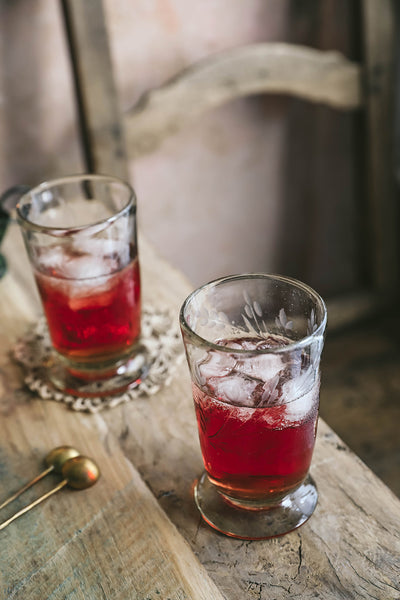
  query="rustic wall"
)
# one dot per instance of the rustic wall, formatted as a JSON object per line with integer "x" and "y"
{"x": 228, "y": 194}
{"x": 37, "y": 125}
{"x": 210, "y": 195}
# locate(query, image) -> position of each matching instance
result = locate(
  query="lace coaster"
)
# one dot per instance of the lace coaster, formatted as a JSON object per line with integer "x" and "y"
{"x": 160, "y": 336}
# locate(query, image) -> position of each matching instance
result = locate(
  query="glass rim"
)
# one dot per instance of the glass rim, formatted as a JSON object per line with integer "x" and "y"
{"x": 293, "y": 345}
{"x": 51, "y": 183}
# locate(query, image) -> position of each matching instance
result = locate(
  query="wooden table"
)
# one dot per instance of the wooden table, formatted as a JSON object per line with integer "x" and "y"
{"x": 137, "y": 534}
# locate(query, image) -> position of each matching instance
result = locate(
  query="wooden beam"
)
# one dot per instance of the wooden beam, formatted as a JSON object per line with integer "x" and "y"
{"x": 101, "y": 127}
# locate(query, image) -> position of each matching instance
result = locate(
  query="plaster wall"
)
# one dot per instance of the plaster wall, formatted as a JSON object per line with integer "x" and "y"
{"x": 212, "y": 198}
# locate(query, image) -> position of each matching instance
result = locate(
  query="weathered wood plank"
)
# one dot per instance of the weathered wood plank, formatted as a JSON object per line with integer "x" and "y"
{"x": 97, "y": 103}
{"x": 111, "y": 541}
{"x": 117, "y": 525}
{"x": 350, "y": 548}
{"x": 326, "y": 77}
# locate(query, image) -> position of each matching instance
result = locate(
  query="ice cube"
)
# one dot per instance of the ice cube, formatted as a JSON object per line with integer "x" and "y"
{"x": 77, "y": 263}
{"x": 260, "y": 365}
{"x": 296, "y": 387}
{"x": 215, "y": 364}
{"x": 86, "y": 267}
{"x": 264, "y": 367}
{"x": 300, "y": 394}
{"x": 236, "y": 389}
{"x": 50, "y": 258}
{"x": 102, "y": 247}
{"x": 271, "y": 394}
{"x": 117, "y": 252}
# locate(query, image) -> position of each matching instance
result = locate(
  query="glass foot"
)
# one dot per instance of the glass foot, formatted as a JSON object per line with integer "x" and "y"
{"x": 95, "y": 383}
{"x": 291, "y": 512}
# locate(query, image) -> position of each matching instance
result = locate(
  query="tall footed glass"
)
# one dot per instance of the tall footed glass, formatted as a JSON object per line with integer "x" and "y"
{"x": 253, "y": 345}
{"x": 80, "y": 235}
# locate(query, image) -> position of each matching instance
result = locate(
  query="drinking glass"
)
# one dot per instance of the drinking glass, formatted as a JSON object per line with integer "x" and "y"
{"x": 80, "y": 235}
{"x": 253, "y": 345}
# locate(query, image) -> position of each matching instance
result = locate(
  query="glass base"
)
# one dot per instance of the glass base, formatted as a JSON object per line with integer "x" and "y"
{"x": 93, "y": 383}
{"x": 291, "y": 512}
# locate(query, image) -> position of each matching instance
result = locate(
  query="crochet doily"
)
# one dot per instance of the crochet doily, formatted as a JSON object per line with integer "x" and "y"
{"x": 160, "y": 336}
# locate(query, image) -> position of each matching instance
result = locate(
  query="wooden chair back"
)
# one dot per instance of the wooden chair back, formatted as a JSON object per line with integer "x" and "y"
{"x": 316, "y": 76}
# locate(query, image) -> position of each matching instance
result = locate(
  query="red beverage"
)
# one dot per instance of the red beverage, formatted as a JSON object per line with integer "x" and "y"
{"x": 257, "y": 439}
{"x": 92, "y": 320}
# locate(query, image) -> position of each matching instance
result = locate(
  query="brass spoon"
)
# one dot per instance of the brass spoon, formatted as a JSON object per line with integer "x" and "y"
{"x": 79, "y": 473}
{"x": 54, "y": 462}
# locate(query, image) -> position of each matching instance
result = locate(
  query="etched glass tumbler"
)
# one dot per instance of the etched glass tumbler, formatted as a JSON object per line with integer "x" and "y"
{"x": 253, "y": 345}
{"x": 80, "y": 235}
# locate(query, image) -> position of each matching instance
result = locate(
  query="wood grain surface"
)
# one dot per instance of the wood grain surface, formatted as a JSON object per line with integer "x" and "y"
{"x": 95, "y": 89}
{"x": 137, "y": 534}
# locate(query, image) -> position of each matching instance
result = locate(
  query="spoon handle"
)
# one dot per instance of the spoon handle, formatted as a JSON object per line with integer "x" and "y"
{"x": 27, "y": 486}
{"x": 34, "y": 503}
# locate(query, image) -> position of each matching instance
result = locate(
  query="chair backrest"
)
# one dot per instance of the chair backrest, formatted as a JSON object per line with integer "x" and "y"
{"x": 317, "y": 76}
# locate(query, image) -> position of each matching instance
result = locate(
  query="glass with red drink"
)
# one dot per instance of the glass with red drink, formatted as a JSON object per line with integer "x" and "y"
{"x": 80, "y": 234}
{"x": 253, "y": 345}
